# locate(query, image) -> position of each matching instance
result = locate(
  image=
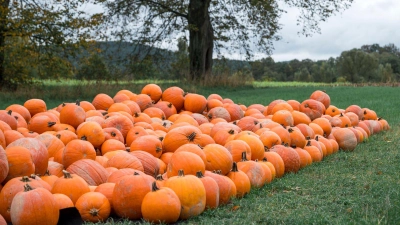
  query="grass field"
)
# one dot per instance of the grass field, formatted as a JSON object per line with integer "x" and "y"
{"x": 359, "y": 187}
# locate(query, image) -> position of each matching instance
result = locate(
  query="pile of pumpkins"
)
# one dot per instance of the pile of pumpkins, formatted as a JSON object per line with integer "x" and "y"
{"x": 160, "y": 155}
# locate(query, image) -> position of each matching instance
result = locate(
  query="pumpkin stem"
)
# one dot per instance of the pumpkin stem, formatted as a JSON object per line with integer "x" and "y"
{"x": 290, "y": 130}
{"x": 67, "y": 175}
{"x": 27, "y": 187}
{"x": 265, "y": 159}
{"x": 113, "y": 134}
{"x": 136, "y": 173}
{"x": 234, "y": 167}
{"x": 9, "y": 112}
{"x": 231, "y": 131}
{"x": 50, "y": 124}
{"x": 25, "y": 179}
{"x": 234, "y": 122}
{"x": 84, "y": 138}
{"x": 181, "y": 173}
{"x": 308, "y": 138}
{"x": 255, "y": 122}
{"x": 47, "y": 173}
{"x": 158, "y": 149}
{"x": 316, "y": 138}
{"x": 63, "y": 104}
{"x": 266, "y": 149}
{"x": 244, "y": 158}
{"x": 192, "y": 136}
{"x": 159, "y": 177}
{"x": 78, "y": 103}
{"x": 199, "y": 174}
{"x": 161, "y": 138}
{"x": 104, "y": 113}
{"x": 218, "y": 172}
{"x": 308, "y": 143}
{"x": 136, "y": 114}
{"x": 154, "y": 187}
{"x": 94, "y": 212}
{"x": 58, "y": 136}
{"x": 169, "y": 105}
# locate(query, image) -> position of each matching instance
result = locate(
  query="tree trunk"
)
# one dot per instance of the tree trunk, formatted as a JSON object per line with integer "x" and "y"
{"x": 201, "y": 37}
{"x": 4, "y": 4}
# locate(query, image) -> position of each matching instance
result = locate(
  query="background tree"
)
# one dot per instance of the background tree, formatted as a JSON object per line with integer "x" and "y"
{"x": 235, "y": 24}
{"x": 37, "y": 38}
{"x": 358, "y": 66}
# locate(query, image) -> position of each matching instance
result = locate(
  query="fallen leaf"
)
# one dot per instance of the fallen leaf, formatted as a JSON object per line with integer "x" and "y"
{"x": 234, "y": 208}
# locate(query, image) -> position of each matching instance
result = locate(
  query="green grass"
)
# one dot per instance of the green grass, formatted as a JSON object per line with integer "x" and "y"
{"x": 359, "y": 187}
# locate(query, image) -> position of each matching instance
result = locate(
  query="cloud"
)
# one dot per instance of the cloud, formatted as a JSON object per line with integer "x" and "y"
{"x": 365, "y": 22}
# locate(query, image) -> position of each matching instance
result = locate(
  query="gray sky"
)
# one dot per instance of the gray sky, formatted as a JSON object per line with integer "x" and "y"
{"x": 365, "y": 22}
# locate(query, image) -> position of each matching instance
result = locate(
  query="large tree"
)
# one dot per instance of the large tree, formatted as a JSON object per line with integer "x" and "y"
{"x": 37, "y": 37}
{"x": 240, "y": 25}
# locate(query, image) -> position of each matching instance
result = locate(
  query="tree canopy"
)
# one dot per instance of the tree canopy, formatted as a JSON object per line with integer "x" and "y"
{"x": 235, "y": 25}
{"x": 37, "y": 37}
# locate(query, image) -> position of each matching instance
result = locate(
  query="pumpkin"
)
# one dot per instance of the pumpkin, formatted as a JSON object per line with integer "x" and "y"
{"x": 91, "y": 171}
{"x": 147, "y": 143}
{"x": 93, "y": 207}
{"x": 312, "y": 108}
{"x": 218, "y": 158}
{"x": 191, "y": 193}
{"x": 227, "y": 188}
{"x": 345, "y": 138}
{"x": 256, "y": 146}
{"x": 91, "y": 132}
{"x": 180, "y": 136}
{"x": 122, "y": 159}
{"x": 150, "y": 163}
{"x": 241, "y": 180}
{"x": 289, "y": 156}
{"x": 161, "y": 205}
{"x": 71, "y": 185}
{"x": 10, "y": 189}
{"x": 72, "y": 114}
{"x": 129, "y": 193}
{"x": 4, "y": 168}
{"x": 34, "y": 206}
{"x": 111, "y": 145}
{"x": 322, "y": 97}
{"x": 187, "y": 161}
{"x": 20, "y": 162}
{"x": 38, "y": 151}
{"x": 253, "y": 170}
{"x": 102, "y": 101}
{"x": 212, "y": 190}
{"x": 236, "y": 148}
{"x": 52, "y": 143}
{"x": 62, "y": 201}
{"x": 77, "y": 149}
{"x": 24, "y": 112}
{"x": 35, "y": 106}
{"x": 152, "y": 90}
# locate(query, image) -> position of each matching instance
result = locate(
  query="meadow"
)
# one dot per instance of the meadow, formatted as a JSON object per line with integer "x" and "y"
{"x": 359, "y": 187}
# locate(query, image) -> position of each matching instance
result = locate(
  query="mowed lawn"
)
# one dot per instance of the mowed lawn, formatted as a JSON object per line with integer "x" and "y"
{"x": 359, "y": 187}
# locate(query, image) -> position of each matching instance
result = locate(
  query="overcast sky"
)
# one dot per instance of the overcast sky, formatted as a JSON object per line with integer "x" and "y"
{"x": 365, "y": 22}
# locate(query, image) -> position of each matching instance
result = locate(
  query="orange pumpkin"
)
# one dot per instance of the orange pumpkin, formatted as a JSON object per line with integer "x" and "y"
{"x": 212, "y": 190}
{"x": 161, "y": 205}
{"x": 133, "y": 187}
{"x": 93, "y": 207}
{"x": 241, "y": 181}
{"x": 191, "y": 193}
{"x": 71, "y": 185}
{"x": 34, "y": 206}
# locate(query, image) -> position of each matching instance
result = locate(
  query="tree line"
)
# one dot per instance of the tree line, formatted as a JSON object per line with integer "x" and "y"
{"x": 369, "y": 63}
